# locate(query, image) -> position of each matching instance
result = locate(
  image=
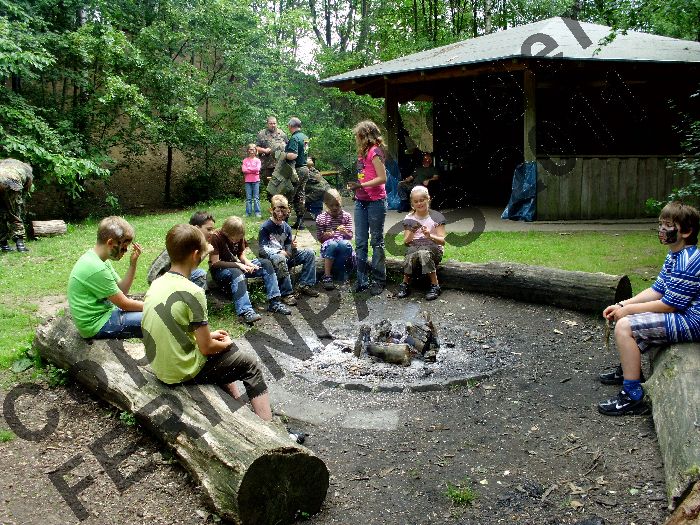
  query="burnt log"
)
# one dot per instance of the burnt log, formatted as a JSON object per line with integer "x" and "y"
{"x": 590, "y": 292}
{"x": 397, "y": 354}
{"x": 250, "y": 470}
{"x": 673, "y": 389}
{"x": 48, "y": 228}
{"x": 688, "y": 512}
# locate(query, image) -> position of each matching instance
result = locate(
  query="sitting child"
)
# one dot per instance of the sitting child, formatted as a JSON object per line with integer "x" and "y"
{"x": 205, "y": 222}
{"x": 334, "y": 229}
{"x": 230, "y": 266}
{"x": 96, "y": 296}
{"x": 667, "y": 312}
{"x": 194, "y": 354}
{"x": 279, "y": 246}
{"x": 424, "y": 234}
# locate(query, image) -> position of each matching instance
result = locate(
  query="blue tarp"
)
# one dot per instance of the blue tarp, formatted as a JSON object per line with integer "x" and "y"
{"x": 524, "y": 190}
{"x": 392, "y": 185}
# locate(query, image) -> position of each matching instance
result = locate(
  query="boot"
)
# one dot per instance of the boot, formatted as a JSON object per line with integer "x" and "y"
{"x": 19, "y": 242}
{"x": 5, "y": 247}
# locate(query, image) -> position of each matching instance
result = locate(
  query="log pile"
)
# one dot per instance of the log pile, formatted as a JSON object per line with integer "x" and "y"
{"x": 251, "y": 471}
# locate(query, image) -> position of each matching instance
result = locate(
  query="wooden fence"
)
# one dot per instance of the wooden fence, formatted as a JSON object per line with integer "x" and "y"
{"x": 602, "y": 187}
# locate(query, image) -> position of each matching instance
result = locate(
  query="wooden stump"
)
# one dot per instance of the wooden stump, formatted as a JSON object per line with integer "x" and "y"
{"x": 251, "y": 471}
{"x": 673, "y": 389}
{"x": 688, "y": 512}
{"x": 590, "y": 292}
{"x": 48, "y": 228}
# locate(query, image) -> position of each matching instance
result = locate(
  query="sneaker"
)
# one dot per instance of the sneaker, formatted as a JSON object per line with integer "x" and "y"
{"x": 376, "y": 289}
{"x": 433, "y": 292}
{"x": 305, "y": 289}
{"x": 250, "y": 316}
{"x": 622, "y": 404}
{"x": 403, "y": 291}
{"x": 359, "y": 288}
{"x": 20, "y": 246}
{"x": 276, "y": 307}
{"x": 327, "y": 282}
{"x": 298, "y": 436}
{"x": 5, "y": 247}
{"x": 614, "y": 376}
{"x": 289, "y": 300}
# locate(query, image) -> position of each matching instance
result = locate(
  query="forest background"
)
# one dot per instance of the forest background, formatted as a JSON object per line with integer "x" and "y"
{"x": 92, "y": 88}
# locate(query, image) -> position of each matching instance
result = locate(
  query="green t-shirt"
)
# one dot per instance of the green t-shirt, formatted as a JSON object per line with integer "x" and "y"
{"x": 298, "y": 143}
{"x": 172, "y": 309}
{"x": 91, "y": 281}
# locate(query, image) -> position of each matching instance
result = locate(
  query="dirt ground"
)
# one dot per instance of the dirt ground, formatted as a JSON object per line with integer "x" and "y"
{"x": 527, "y": 441}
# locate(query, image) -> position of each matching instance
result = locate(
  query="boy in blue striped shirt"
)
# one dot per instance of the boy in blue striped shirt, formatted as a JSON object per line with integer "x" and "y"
{"x": 667, "y": 312}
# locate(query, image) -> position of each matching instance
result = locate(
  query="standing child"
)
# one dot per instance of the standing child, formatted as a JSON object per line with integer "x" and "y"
{"x": 251, "y": 173}
{"x": 194, "y": 353}
{"x": 334, "y": 229}
{"x": 279, "y": 246}
{"x": 424, "y": 234}
{"x": 370, "y": 206}
{"x": 230, "y": 266}
{"x": 667, "y": 312}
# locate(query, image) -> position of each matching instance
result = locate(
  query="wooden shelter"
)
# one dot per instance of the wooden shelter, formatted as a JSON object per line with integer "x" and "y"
{"x": 603, "y": 122}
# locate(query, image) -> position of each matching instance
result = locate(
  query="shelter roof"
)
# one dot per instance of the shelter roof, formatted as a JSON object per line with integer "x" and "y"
{"x": 573, "y": 41}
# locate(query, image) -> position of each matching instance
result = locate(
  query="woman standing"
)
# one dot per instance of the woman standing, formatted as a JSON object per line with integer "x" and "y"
{"x": 370, "y": 207}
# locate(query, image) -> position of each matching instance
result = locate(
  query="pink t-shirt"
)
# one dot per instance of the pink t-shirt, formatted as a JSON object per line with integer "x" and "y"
{"x": 365, "y": 173}
{"x": 251, "y": 169}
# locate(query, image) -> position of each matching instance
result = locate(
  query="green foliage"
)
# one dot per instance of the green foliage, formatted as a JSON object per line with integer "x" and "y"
{"x": 56, "y": 376}
{"x": 462, "y": 494}
{"x": 127, "y": 418}
{"x": 6, "y": 435}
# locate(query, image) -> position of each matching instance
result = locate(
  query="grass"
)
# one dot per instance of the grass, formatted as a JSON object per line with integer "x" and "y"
{"x": 462, "y": 494}
{"x": 26, "y": 278}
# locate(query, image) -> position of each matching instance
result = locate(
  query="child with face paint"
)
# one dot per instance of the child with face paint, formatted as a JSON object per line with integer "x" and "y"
{"x": 667, "y": 312}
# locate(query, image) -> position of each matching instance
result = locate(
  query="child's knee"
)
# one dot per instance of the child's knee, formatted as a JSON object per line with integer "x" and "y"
{"x": 623, "y": 327}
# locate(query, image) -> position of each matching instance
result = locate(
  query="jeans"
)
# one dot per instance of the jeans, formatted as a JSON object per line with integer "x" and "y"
{"x": 252, "y": 197}
{"x": 305, "y": 258}
{"x": 199, "y": 277}
{"x": 121, "y": 325}
{"x": 369, "y": 220}
{"x": 339, "y": 251}
{"x": 239, "y": 288}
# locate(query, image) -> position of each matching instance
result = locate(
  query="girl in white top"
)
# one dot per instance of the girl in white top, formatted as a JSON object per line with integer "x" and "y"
{"x": 424, "y": 234}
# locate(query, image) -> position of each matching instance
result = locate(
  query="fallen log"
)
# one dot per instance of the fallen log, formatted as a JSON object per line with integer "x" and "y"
{"x": 688, "y": 512}
{"x": 250, "y": 470}
{"x": 585, "y": 291}
{"x": 48, "y": 228}
{"x": 673, "y": 389}
{"x": 398, "y": 354}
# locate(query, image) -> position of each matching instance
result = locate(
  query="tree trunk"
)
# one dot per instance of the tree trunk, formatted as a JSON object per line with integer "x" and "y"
{"x": 590, "y": 292}
{"x": 250, "y": 470}
{"x": 673, "y": 389}
{"x": 48, "y": 228}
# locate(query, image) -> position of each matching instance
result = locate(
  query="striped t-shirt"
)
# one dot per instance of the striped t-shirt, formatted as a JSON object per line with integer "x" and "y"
{"x": 327, "y": 223}
{"x": 679, "y": 282}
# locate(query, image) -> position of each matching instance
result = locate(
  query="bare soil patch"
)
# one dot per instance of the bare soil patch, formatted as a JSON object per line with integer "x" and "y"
{"x": 527, "y": 440}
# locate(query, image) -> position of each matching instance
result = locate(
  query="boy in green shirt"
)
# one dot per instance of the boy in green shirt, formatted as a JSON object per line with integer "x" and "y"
{"x": 96, "y": 296}
{"x": 179, "y": 344}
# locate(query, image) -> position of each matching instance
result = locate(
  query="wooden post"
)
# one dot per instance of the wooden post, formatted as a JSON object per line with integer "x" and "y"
{"x": 391, "y": 115}
{"x": 530, "y": 120}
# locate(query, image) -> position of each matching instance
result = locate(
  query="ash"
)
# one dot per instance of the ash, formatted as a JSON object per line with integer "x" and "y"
{"x": 463, "y": 353}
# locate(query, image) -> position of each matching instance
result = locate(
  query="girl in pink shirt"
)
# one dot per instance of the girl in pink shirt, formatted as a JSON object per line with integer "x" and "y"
{"x": 251, "y": 174}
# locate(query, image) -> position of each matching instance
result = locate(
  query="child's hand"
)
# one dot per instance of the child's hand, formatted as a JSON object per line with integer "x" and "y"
{"x": 341, "y": 229}
{"x": 135, "y": 253}
{"x": 614, "y": 312}
{"x": 294, "y": 243}
{"x": 425, "y": 231}
{"x": 353, "y": 185}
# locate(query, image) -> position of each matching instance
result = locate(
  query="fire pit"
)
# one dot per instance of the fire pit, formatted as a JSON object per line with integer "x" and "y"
{"x": 414, "y": 351}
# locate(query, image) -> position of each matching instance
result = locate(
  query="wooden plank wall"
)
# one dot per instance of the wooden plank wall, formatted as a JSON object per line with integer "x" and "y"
{"x": 602, "y": 188}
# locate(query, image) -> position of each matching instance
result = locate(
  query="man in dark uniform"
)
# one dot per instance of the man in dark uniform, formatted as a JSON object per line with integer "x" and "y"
{"x": 269, "y": 141}
{"x": 425, "y": 174}
{"x": 15, "y": 180}
{"x": 296, "y": 151}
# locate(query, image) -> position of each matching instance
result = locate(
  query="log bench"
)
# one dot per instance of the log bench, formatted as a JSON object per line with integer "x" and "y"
{"x": 251, "y": 471}
{"x": 675, "y": 394}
